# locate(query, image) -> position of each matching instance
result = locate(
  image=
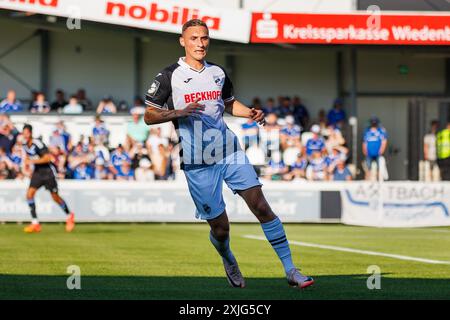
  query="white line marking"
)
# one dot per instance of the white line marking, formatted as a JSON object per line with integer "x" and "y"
{"x": 343, "y": 249}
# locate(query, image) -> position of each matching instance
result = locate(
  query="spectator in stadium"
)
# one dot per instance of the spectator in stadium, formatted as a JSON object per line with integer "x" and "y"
{"x": 257, "y": 157}
{"x": 101, "y": 171}
{"x": 83, "y": 171}
{"x": 317, "y": 169}
{"x": 374, "y": 145}
{"x": 341, "y": 172}
{"x": 5, "y": 173}
{"x": 300, "y": 112}
{"x": 155, "y": 139}
{"x": 60, "y": 102}
{"x": 8, "y": 133}
{"x": 40, "y": 105}
{"x": 125, "y": 172}
{"x": 137, "y": 153}
{"x": 118, "y": 157}
{"x": 65, "y": 134}
{"x": 100, "y": 134}
{"x": 336, "y": 116}
{"x": 276, "y": 168}
{"x": 106, "y": 105}
{"x": 159, "y": 159}
{"x": 298, "y": 169}
{"x": 430, "y": 153}
{"x": 16, "y": 158}
{"x": 256, "y": 103}
{"x": 10, "y": 103}
{"x": 56, "y": 140}
{"x": 316, "y": 143}
{"x": 59, "y": 159}
{"x": 73, "y": 107}
{"x": 270, "y": 107}
{"x": 250, "y": 133}
{"x": 335, "y": 139}
{"x": 270, "y": 135}
{"x": 286, "y": 107}
{"x": 77, "y": 156}
{"x": 84, "y": 101}
{"x": 137, "y": 130}
{"x": 290, "y": 134}
{"x": 443, "y": 152}
{"x": 144, "y": 172}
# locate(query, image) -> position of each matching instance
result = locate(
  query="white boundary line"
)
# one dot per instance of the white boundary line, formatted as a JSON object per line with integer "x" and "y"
{"x": 343, "y": 249}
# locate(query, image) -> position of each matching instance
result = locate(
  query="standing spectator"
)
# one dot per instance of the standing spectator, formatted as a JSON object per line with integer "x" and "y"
{"x": 317, "y": 169}
{"x": 73, "y": 107}
{"x": 335, "y": 139}
{"x": 137, "y": 153}
{"x": 106, "y": 105}
{"x": 40, "y": 105}
{"x": 65, "y": 134}
{"x": 270, "y": 107}
{"x": 155, "y": 139}
{"x": 300, "y": 112}
{"x": 159, "y": 159}
{"x": 60, "y": 101}
{"x": 250, "y": 133}
{"x": 59, "y": 159}
{"x": 290, "y": 134}
{"x": 316, "y": 143}
{"x": 84, "y": 101}
{"x": 256, "y": 103}
{"x": 137, "y": 130}
{"x": 143, "y": 171}
{"x": 430, "y": 153}
{"x": 8, "y": 134}
{"x": 341, "y": 172}
{"x": 374, "y": 145}
{"x": 336, "y": 116}
{"x": 443, "y": 152}
{"x": 57, "y": 140}
{"x": 286, "y": 107}
{"x": 100, "y": 134}
{"x": 10, "y": 104}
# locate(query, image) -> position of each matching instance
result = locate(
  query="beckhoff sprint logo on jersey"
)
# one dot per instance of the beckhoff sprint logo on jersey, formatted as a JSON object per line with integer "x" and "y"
{"x": 202, "y": 96}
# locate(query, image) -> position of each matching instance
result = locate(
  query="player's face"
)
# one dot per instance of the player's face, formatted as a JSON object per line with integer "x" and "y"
{"x": 195, "y": 41}
{"x": 26, "y": 135}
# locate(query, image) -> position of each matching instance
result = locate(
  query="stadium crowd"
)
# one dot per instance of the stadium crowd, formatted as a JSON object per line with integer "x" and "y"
{"x": 291, "y": 146}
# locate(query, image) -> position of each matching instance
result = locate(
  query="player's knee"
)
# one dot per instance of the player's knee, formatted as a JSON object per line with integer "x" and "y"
{"x": 262, "y": 209}
{"x": 221, "y": 232}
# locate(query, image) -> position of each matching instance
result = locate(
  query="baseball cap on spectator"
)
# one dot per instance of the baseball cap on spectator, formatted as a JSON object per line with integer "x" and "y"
{"x": 374, "y": 120}
{"x": 315, "y": 128}
{"x": 290, "y": 119}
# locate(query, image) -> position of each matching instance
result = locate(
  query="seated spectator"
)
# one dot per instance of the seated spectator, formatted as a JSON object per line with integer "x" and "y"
{"x": 341, "y": 172}
{"x": 250, "y": 133}
{"x": 106, "y": 105}
{"x": 84, "y": 101}
{"x": 334, "y": 157}
{"x": 101, "y": 172}
{"x": 59, "y": 159}
{"x": 270, "y": 107}
{"x": 276, "y": 167}
{"x": 143, "y": 171}
{"x": 286, "y": 107}
{"x": 40, "y": 105}
{"x": 137, "y": 130}
{"x": 5, "y": 158}
{"x": 298, "y": 169}
{"x": 270, "y": 135}
{"x": 300, "y": 112}
{"x": 335, "y": 139}
{"x": 118, "y": 157}
{"x": 76, "y": 157}
{"x": 138, "y": 102}
{"x": 57, "y": 140}
{"x": 317, "y": 168}
{"x": 5, "y": 172}
{"x": 60, "y": 101}
{"x": 316, "y": 143}
{"x": 100, "y": 134}
{"x": 125, "y": 172}
{"x": 10, "y": 103}
{"x": 137, "y": 153}
{"x": 16, "y": 157}
{"x": 73, "y": 107}
{"x": 322, "y": 120}
{"x": 256, "y": 103}
{"x": 290, "y": 134}
{"x": 83, "y": 172}
{"x": 336, "y": 116}
{"x": 159, "y": 159}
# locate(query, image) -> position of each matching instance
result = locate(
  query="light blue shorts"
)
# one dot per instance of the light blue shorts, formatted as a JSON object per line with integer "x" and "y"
{"x": 206, "y": 185}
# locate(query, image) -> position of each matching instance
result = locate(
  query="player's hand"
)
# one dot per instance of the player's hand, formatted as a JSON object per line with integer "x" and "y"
{"x": 27, "y": 162}
{"x": 193, "y": 108}
{"x": 258, "y": 116}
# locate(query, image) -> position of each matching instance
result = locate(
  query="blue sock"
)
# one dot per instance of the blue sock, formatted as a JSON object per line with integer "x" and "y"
{"x": 63, "y": 206}
{"x": 223, "y": 248}
{"x": 274, "y": 232}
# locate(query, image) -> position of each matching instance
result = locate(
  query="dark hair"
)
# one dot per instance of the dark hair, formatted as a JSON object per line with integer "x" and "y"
{"x": 194, "y": 23}
{"x": 27, "y": 126}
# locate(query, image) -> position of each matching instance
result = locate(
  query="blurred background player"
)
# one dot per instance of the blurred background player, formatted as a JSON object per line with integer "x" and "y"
{"x": 174, "y": 96}
{"x": 38, "y": 157}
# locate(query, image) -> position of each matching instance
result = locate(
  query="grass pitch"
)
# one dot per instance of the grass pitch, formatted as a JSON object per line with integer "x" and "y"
{"x": 176, "y": 261}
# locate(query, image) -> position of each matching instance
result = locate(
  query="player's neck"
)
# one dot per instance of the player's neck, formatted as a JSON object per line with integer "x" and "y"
{"x": 195, "y": 64}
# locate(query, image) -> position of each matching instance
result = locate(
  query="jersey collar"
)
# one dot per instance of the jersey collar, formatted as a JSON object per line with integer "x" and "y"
{"x": 183, "y": 63}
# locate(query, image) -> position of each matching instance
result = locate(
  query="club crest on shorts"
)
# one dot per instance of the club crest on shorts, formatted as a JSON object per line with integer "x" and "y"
{"x": 207, "y": 208}
{"x": 153, "y": 88}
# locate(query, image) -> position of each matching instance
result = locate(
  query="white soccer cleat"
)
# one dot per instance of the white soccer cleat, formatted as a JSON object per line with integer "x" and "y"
{"x": 234, "y": 275}
{"x": 296, "y": 279}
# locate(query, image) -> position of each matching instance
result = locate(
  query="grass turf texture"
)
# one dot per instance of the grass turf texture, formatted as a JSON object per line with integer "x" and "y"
{"x": 177, "y": 261}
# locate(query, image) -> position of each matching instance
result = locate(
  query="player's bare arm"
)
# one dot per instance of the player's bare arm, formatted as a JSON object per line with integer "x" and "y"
{"x": 155, "y": 115}
{"x": 46, "y": 158}
{"x": 237, "y": 109}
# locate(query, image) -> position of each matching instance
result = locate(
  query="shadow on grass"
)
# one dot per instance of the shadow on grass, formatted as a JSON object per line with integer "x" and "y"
{"x": 216, "y": 288}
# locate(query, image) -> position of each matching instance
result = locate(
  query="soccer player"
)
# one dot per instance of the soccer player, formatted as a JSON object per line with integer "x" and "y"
{"x": 194, "y": 94}
{"x": 36, "y": 155}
